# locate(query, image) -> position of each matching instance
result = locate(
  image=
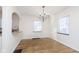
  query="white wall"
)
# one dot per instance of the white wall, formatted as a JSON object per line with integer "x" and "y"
{"x": 73, "y": 39}
{"x": 0, "y": 18}
{"x": 0, "y": 28}
{"x": 53, "y": 23}
{"x": 26, "y": 26}
{"x": 9, "y": 39}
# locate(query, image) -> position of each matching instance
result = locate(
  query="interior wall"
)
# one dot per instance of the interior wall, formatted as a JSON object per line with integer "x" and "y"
{"x": 9, "y": 40}
{"x": 53, "y": 23}
{"x": 0, "y": 28}
{"x": 0, "y": 17}
{"x": 26, "y": 27}
{"x": 73, "y": 39}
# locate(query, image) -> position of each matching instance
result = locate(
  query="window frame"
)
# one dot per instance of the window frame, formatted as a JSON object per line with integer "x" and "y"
{"x": 61, "y": 31}
{"x": 34, "y": 30}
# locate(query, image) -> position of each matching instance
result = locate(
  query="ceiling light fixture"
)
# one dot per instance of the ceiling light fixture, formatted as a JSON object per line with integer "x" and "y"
{"x": 43, "y": 14}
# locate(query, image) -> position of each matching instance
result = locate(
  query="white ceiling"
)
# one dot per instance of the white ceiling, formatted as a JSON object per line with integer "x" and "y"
{"x": 36, "y": 10}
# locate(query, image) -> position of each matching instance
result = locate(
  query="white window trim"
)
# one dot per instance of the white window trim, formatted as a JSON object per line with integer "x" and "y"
{"x": 61, "y": 31}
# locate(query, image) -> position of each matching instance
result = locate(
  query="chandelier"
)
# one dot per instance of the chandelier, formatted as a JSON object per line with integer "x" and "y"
{"x": 43, "y": 14}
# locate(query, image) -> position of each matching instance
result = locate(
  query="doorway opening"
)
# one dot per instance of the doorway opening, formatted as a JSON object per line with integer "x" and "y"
{"x": 15, "y": 22}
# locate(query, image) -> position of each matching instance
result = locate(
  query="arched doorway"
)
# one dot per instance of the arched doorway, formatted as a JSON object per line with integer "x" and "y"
{"x": 15, "y": 22}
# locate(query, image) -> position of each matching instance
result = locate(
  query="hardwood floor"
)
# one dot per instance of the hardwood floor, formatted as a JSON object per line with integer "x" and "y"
{"x": 44, "y": 45}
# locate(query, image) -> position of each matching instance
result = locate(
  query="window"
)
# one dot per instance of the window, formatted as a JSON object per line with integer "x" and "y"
{"x": 37, "y": 26}
{"x": 64, "y": 25}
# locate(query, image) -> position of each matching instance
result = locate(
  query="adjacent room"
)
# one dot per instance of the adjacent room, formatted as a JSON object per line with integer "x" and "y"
{"x": 39, "y": 29}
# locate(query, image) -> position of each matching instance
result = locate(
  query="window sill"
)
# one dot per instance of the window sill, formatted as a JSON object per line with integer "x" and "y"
{"x": 37, "y": 31}
{"x": 62, "y": 33}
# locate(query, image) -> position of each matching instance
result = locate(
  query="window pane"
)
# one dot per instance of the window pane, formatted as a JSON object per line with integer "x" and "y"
{"x": 64, "y": 25}
{"x": 37, "y": 26}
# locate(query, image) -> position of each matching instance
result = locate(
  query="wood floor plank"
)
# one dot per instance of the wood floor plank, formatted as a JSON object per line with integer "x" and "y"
{"x": 43, "y": 46}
